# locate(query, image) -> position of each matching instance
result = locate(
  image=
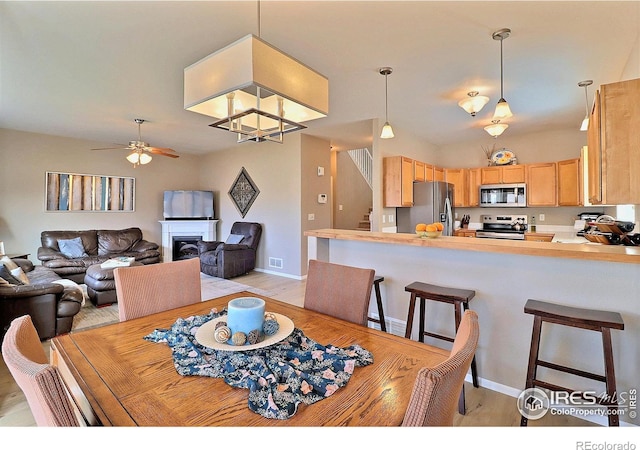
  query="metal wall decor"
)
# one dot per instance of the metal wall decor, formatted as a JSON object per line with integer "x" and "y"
{"x": 88, "y": 193}
{"x": 243, "y": 192}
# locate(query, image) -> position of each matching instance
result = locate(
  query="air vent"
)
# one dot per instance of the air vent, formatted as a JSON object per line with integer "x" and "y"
{"x": 275, "y": 263}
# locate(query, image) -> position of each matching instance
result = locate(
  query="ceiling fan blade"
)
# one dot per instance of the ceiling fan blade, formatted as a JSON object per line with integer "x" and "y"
{"x": 163, "y": 151}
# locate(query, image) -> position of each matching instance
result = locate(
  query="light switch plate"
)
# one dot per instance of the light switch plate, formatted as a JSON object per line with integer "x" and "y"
{"x": 320, "y": 171}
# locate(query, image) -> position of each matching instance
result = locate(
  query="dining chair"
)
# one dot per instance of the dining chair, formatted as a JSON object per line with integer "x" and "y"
{"x": 37, "y": 378}
{"x": 339, "y": 291}
{"x": 434, "y": 399}
{"x": 152, "y": 288}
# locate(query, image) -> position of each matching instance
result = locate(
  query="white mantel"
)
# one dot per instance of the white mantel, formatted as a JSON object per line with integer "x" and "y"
{"x": 171, "y": 228}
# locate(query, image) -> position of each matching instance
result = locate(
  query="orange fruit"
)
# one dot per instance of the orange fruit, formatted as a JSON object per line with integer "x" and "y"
{"x": 421, "y": 227}
{"x": 439, "y": 226}
{"x": 431, "y": 227}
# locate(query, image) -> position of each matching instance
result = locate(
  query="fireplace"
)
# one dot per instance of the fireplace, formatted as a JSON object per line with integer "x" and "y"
{"x": 188, "y": 232}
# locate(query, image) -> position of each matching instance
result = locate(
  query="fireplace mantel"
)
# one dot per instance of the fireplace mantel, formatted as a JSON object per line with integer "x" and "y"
{"x": 171, "y": 228}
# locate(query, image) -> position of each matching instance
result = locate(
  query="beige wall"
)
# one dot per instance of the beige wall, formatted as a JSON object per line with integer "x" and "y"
{"x": 351, "y": 191}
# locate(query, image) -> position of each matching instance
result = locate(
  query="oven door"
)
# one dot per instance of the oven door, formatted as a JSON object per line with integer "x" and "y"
{"x": 500, "y": 235}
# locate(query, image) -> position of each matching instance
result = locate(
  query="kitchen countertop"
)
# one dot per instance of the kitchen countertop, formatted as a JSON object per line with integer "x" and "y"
{"x": 558, "y": 249}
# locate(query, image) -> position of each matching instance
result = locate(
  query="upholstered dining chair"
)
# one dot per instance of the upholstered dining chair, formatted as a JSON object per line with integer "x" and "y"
{"x": 152, "y": 288}
{"x": 339, "y": 291}
{"x": 434, "y": 400}
{"x": 37, "y": 378}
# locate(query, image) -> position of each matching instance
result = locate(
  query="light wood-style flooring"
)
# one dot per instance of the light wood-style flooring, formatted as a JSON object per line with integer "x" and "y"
{"x": 485, "y": 408}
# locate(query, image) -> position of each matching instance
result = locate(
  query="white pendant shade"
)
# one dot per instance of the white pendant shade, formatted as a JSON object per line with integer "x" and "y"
{"x": 473, "y": 103}
{"x": 256, "y": 90}
{"x": 387, "y": 131}
{"x": 585, "y": 124}
{"x": 503, "y": 111}
{"x": 496, "y": 128}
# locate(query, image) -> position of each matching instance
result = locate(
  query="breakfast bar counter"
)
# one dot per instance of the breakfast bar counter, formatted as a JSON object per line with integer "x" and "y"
{"x": 505, "y": 274}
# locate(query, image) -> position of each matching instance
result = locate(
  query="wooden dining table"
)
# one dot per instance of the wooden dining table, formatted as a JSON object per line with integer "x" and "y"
{"x": 117, "y": 378}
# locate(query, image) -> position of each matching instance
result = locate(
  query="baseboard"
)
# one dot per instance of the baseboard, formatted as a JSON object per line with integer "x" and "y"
{"x": 280, "y": 274}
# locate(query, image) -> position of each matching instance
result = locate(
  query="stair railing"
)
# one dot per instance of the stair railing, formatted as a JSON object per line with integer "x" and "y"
{"x": 364, "y": 162}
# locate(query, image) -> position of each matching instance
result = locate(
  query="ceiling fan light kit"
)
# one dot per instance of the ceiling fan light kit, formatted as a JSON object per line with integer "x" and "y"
{"x": 387, "y": 131}
{"x": 255, "y": 90}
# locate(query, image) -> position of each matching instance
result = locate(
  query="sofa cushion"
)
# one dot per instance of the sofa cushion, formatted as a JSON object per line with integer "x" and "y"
{"x": 49, "y": 239}
{"x": 118, "y": 241}
{"x": 234, "y": 239}
{"x": 6, "y": 276}
{"x": 72, "y": 248}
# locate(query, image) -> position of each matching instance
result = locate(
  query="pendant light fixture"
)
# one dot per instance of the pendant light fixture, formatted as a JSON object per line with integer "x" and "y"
{"x": 387, "y": 131}
{"x": 256, "y": 90}
{"x": 585, "y": 121}
{"x": 503, "y": 111}
{"x": 473, "y": 103}
{"x": 496, "y": 128}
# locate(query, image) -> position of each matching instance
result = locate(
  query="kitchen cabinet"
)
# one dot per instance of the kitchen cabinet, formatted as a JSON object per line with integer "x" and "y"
{"x": 397, "y": 180}
{"x": 459, "y": 179}
{"x": 541, "y": 184}
{"x": 569, "y": 179}
{"x": 474, "y": 187}
{"x": 512, "y": 173}
{"x": 438, "y": 173}
{"x": 428, "y": 172}
{"x": 540, "y": 237}
{"x": 418, "y": 171}
{"x": 613, "y": 142}
{"x": 463, "y": 232}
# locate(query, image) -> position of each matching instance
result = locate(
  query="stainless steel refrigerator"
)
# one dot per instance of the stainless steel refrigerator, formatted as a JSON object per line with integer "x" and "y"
{"x": 432, "y": 202}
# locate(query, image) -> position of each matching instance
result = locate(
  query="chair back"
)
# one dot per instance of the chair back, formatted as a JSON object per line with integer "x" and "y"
{"x": 436, "y": 391}
{"x": 252, "y": 231}
{"x": 152, "y": 288}
{"x": 339, "y": 291}
{"x": 39, "y": 381}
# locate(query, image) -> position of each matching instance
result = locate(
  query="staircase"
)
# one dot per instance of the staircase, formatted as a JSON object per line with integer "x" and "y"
{"x": 365, "y": 223}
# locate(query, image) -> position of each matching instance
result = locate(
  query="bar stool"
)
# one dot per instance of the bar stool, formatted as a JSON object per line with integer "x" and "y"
{"x": 376, "y": 286}
{"x": 589, "y": 319}
{"x": 459, "y": 298}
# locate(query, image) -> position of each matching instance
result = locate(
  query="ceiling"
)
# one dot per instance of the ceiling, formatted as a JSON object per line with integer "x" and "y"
{"x": 88, "y": 69}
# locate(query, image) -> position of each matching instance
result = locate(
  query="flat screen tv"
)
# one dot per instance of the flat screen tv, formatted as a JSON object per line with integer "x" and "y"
{"x": 188, "y": 205}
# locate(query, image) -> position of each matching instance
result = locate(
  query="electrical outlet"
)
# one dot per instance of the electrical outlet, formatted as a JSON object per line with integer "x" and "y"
{"x": 311, "y": 217}
{"x": 541, "y": 217}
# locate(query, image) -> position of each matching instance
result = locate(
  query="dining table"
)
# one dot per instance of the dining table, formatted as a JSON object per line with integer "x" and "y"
{"x": 116, "y": 376}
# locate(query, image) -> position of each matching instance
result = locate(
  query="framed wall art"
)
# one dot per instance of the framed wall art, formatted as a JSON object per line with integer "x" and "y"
{"x": 243, "y": 192}
{"x": 86, "y": 193}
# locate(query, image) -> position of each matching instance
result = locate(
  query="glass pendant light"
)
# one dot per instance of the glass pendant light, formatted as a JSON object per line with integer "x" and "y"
{"x": 473, "y": 103}
{"x": 496, "y": 128}
{"x": 503, "y": 111}
{"x": 387, "y": 131}
{"x": 585, "y": 121}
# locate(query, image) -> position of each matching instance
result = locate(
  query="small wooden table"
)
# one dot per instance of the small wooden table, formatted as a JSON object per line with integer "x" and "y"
{"x": 119, "y": 379}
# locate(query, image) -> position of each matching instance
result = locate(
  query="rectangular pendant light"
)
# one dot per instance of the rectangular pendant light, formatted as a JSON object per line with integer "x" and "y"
{"x": 255, "y": 90}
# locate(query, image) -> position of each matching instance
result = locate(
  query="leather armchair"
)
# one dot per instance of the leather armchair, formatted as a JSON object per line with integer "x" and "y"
{"x": 223, "y": 260}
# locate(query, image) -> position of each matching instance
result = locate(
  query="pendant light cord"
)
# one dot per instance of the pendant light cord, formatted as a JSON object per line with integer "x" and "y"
{"x": 586, "y": 101}
{"x": 259, "y": 19}
{"x": 501, "y": 72}
{"x": 386, "y": 98}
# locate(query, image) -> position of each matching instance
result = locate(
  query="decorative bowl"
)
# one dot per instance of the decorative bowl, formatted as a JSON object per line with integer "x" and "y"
{"x": 429, "y": 234}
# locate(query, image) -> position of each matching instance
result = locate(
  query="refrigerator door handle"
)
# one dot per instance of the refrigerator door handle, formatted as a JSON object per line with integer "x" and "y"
{"x": 448, "y": 226}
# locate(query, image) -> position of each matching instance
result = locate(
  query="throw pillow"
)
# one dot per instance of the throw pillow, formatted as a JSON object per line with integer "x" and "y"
{"x": 8, "y": 263}
{"x": 72, "y": 248}
{"x": 235, "y": 238}
{"x": 20, "y": 275}
{"x": 6, "y": 275}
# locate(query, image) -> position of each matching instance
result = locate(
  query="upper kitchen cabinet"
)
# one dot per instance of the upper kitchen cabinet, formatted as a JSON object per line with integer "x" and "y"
{"x": 397, "y": 180}
{"x": 418, "y": 171}
{"x": 438, "y": 173}
{"x": 613, "y": 143}
{"x": 570, "y": 182}
{"x": 474, "y": 187}
{"x": 541, "y": 184}
{"x": 512, "y": 173}
{"x": 460, "y": 180}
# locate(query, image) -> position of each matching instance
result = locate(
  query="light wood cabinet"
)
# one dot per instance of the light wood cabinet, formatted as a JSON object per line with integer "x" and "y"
{"x": 438, "y": 173}
{"x": 459, "y": 179}
{"x": 614, "y": 140}
{"x": 397, "y": 180}
{"x": 474, "y": 187}
{"x": 569, "y": 179}
{"x": 418, "y": 171}
{"x": 463, "y": 232}
{"x": 513, "y": 173}
{"x": 428, "y": 172}
{"x": 541, "y": 184}
{"x": 540, "y": 237}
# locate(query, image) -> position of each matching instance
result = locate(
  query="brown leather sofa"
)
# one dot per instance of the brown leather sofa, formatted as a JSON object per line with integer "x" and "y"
{"x": 51, "y": 306}
{"x": 98, "y": 245}
{"x": 227, "y": 260}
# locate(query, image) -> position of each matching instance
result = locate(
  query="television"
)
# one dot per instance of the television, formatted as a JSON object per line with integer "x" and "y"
{"x": 187, "y": 205}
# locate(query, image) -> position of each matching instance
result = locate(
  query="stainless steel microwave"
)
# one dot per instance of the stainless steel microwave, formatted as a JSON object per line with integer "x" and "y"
{"x": 503, "y": 195}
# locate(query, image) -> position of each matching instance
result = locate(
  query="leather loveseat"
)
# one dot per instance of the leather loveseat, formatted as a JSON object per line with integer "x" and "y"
{"x": 92, "y": 247}
{"x": 52, "y": 306}
{"x": 236, "y": 256}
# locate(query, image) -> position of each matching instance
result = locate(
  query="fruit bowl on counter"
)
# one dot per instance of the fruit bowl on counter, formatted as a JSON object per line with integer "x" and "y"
{"x": 430, "y": 231}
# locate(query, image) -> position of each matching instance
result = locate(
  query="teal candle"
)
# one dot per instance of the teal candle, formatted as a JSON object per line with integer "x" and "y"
{"x": 245, "y": 314}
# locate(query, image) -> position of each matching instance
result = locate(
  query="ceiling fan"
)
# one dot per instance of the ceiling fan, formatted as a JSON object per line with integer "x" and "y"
{"x": 141, "y": 151}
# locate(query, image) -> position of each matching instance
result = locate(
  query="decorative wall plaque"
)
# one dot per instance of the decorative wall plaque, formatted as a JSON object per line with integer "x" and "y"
{"x": 243, "y": 192}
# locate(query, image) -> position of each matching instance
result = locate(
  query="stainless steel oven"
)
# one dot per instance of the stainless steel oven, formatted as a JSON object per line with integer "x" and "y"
{"x": 503, "y": 195}
{"x": 502, "y": 227}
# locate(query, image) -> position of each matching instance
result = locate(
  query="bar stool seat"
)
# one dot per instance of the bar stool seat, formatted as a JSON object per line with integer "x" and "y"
{"x": 380, "y": 320}
{"x": 459, "y": 298}
{"x": 589, "y": 319}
